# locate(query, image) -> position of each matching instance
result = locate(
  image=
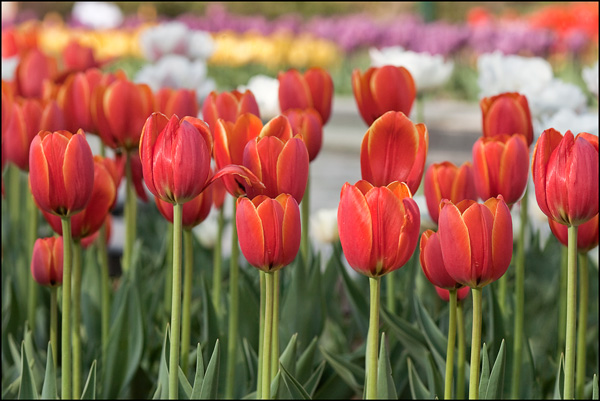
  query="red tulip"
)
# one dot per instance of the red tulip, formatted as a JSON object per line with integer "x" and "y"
{"x": 194, "y": 211}
{"x": 565, "y": 175}
{"x": 307, "y": 123}
{"x": 90, "y": 239}
{"x": 137, "y": 175}
{"x": 507, "y": 113}
{"x": 447, "y": 181}
{"x": 91, "y": 218}
{"x": 383, "y": 89}
{"x": 378, "y": 226}
{"x": 313, "y": 89}
{"x": 476, "y": 240}
{"x": 587, "y": 234}
{"x": 33, "y": 69}
{"x": 181, "y": 102}
{"x": 219, "y": 191}
{"x": 432, "y": 262}
{"x": 268, "y": 230}
{"x": 7, "y": 106}
{"x": 394, "y": 149}
{"x": 47, "y": 261}
{"x": 461, "y": 293}
{"x": 501, "y": 167}
{"x": 61, "y": 171}
{"x": 228, "y": 106}
{"x": 280, "y": 163}
{"x": 74, "y": 97}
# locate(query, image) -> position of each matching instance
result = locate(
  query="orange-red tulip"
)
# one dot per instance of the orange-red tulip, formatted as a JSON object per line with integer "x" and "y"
{"x": 444, "y": 294}
{"x": 307, "y": 123}
{"x": 432, "y": 261}
{"x": 90, "y": 239}
{"x": 565, "y": 175}
{"x": 33, "y": 69}
{"x": 587, "y": 234}
{"x": 394, "y": 149}
{"x": 378, "y": 226}
{"x": 137, "y": 175}
{"x": 194, "y": 211}
{"x": 383, "y": 89}
{"x": 313, "y": 89}
{"x": 507, "y": 113}
{"x": 476, "y": 240}
{"x": 228, "y": 106}
{"x": 501, "y": 167}
{"x": 47, "y": 261}
{"x": 74, "y": 97}
{"x": 280, "y": 162}
{"x": 181, "y": 102}
{"x": 268, "y": 230}
{"x": 446, "y": 181}
{"x": 61, "y": 171}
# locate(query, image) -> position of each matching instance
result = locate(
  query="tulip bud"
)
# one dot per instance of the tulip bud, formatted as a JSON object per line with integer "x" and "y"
{"x": 47, "y": 261}
{"x": 181, "y": 102}
{"x": 587, "y": 234}
{"x": 432, "y": 262}
{"x": 313, "y": 89}
{"x": 34, "y": 68}
{"x": 307, "y": 124}
{"x": 228, "y": 106}
{"x": 507, "y": 113}
{"x": 194, "y": 211}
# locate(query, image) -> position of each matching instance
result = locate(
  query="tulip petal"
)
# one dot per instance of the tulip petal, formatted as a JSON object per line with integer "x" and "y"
{"x": 544, "y": 147}
{"x": 502, "y": 238}
{"x": 355, "y": 228}
{"x": 290, "y": 228}
{"x": 480, "y": 222}
{"x": 514, "y": 169}
{"x": 39, "y": 175}
{"x": 250, "y": 232}
{"x": 155, "y": 124}
{"x": 582, "y": 182}
{"x": 78, "y": 172}
{"x": 292, "y": 169}
{"x": 455, "y": 243}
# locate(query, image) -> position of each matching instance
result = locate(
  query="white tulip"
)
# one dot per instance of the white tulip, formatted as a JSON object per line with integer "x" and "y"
{"x": 97, "y": 15}
{"x": 324, "y": 226}
{"x": 590, "y": 76}
{"x": 266, "y": 92}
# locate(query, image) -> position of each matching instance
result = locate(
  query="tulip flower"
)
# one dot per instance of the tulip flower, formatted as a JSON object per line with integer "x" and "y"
{"x": 394, "y": 149}
{"x": 86, "y": 242}
{"x": 228, "y": 106}
{"x": 501, "y": 167}
{"x": 74, "y": 97}
{"x": 194, "y": 211}
{"x": 137, "y": 176}
{"x": 447, "y": 181}
{"x": 444, "y": 294}
{"x": 181, "y": 102}
{"x": 382, "y": 89}
{"x": 432, "y": 262}
{"x": 507, "y": 113}
{"x": 34, "y": 68}
{"x": 587, "y": 234}
{"x": 313, "y": 89}
{"x": 307, "y": 123}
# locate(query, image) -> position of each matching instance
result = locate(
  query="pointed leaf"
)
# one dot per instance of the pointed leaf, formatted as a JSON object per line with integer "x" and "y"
{"x": 385, "y": 383}
{"x": 279, "y": 391}
{"x": 210, "y": 320}
{"x": 89, "y": 390}
{"x": 411, "y": 337}
{"x": 49, "y": 386}
{"x": 356, "y": 295}
{"x": 560, "y": 379}
{"x": 313, "y": 381}
{"x": 417, "y": 388}
{"x": 485, "y": 371}
{"x": 496, "y": 382}
{"x": 211, "y": 377}
{"x": 595, "y": 392}
{"x": 433, "y": 335}
{"x": 27, "y": 390}
{"x": 304, "y": 364}
{"x": 294, "y": 387}
{"x": 251, "y": 360}
{"x": 348, "y": 371}
{"x": 199, "y": 377}
{"x": 162, "y": 389}
{"x": 185, "y": 388}
{"x": 435, "y": 381}
{"x": 288, "y": 357}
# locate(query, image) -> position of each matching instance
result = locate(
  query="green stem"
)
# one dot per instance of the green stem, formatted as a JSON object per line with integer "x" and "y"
{"x": 475, "y": 345}
{"x": 33, "y": 287}
{"x": 76, "y": 301}
{"x": 187, "y": 298}
{"x": 175, "y": 304}
{"x": 519, "y": 301}
{"x": 582, "y": 328}
{"x": 460, "y": 365}
{"x": 372, "y": 338}
{"x": 217, "y": 258}
{"x": 267, "y": 337}
{"x": 261, "y": 333}
{"x": 169, "y": 269}
{"x": 232, "y": 335}
{"x": 569, "y": 392}
{"x": 130, "y": 215}
{"x": 562, "y": 305}
{"x": 391, "y": 291}
{"x": 275, "y": 332}
{"x": 450, "y": 346}
{"x": 66, "y": 311}
{"x": 502, "y": 289}
{"x": 305, "y": 205}
{"x": 105, "y": 289}
{"x": 54, "y": 324}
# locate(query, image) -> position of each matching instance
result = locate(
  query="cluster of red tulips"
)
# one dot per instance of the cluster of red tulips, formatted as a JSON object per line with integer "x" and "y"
{"x": 189, "y": 164}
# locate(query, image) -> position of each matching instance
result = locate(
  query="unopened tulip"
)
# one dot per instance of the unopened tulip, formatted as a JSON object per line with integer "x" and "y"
{"x": 181, "y": 102}
{"x": 194, "y": 211}
{"x": 476, "y": 240}
{"x": 33, "y": 69}
{"x": 507, "y": 113}
{"x": 268, "y": 230}
{"x": 378, "y": 226}
{"x": 447, "y": 181}
{"x": 444, "y": 294}
{"x": 61, "y": 171}
{"x": 307, "y": 123}
{"x": 587, "y": 234}
{"x": 501, "y": 167}
{"x": 432, "y": 262}
{"x": 47, "y": 261}
{"x": 394, "y": 149}
{"x": 228, "y": 106}
{"x": 74, "y": 97}
{"x": 565, "y": 175}
{"x": 90, "y": 239}
{"x": 382, "y": 89}
{"x": 313, "y": 89}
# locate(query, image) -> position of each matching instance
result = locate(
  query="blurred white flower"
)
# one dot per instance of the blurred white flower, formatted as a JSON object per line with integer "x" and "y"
{"x": 177, "y": 72}
{"x": 554, "y": 96}
{"x": 429, "y": 71}
{"x": 97, "y": 15}
{"x": 266, "y": 92}
{"x": 566, "y": 119}
{"x": 9, "y": 65}
{"x": 590, "y": 76}
{"x": 206, "y": 232}
{"x": 176, "y": 38}
{"x": 10, "y": 10}
{"x": 324, "y": 226}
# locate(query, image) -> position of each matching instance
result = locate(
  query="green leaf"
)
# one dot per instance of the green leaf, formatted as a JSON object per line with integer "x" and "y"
{"x": 417, "y": 388}
{"x": 251, "y": 360}
{"x": 288, "y": 357}
{"x": 357, "y": 298}
{"x": 411, "y": 337}
{"x": 313, "y": 381}
{"x": 210, "y": 319}
{"x": 89, "y": 390}
{"x": 305, "y": 362}
{"x": 49, "y": 386}
{"x": 435, "y": 381}
{"x": 595, "y": 392}
{"x": 162, "y": 388}
{"x": 294, "y": 387}
{"x": 199, "y": 377}
{"x": 560, "y": 379}
{"x": 485, "y": 371}
{"x": 435, "y": 339}
{"x": 210, "y": 384}
{"x": 27, "y": 390}
{"x": 385, "y": 383}
{"x": 185, "y": 388}
{"x": 348, "y": 371}
{"x": 496, "y": 382}
{"x": 495, "y": 321}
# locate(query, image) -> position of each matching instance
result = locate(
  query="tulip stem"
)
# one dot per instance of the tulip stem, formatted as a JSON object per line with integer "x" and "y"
{"x": 169, "y": 270}
{"x": 582, "y": 328}
{"x": 267, "y": 337}
{"x": 475, "y": 345}
{"x": 373, "y": 338}
{"x": 232, "y": 335}
{"x": 571, "y": 315}
{"x": 188, "y": 264}
{"x": 305, "y": 205}
{"x": 33, "y": 287}
{"x": 217, "y": 259}
{"x": 519, "y": 301}
{"x": 66, "y": 311}
{"x": 275, "y": 324}
{"x": 562, "y": 305}
{"x": 76, "y": 301}
{"x": 460, "y": 365}
{"x": 54, "y": 323}
{"x": 261, "y": 334}
{"x": 391, "y": 290}
{"x": 175, "y": 304}
{"x": 130, "y": 215}
{"x": 105, "y": 283}
{"x": 450, "y": 346}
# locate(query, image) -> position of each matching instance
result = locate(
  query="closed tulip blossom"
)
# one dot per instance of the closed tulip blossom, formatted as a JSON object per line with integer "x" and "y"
{"x": 177, "y": 101}
{"x": 507, "y": 113}
{"x": 587, "y": 234}
{"x": 194, "y": 211}
{"x": 307, "y": 123}
{"x": 33, "y": 69}
{"x": 313, "y": 89}
{"x": 444, "y": 294}
{"x": 228, "y": 106}
{"x": 432, "y": 262}
{"x": 447, "y": 181}
{"x": 47, "y": 261}
{"x": 394, "y": 149}
{"x": 382, "y": 89}
{"x": 501, "y": 167}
